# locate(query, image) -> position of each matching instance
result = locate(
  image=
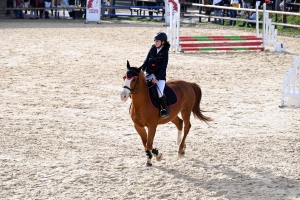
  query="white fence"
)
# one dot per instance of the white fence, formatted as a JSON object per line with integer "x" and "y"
{"x": 291, "y": 82}
{"x": 269, "y": 33}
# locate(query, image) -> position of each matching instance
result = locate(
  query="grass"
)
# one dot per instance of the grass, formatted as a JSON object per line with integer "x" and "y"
{"x": 289, "y": 20}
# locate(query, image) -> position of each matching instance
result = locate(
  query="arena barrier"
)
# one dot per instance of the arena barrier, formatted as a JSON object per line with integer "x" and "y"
{"x": 195, "y": 43}
{"x": 291, "y": 85}
{"x": 138, "y": 9}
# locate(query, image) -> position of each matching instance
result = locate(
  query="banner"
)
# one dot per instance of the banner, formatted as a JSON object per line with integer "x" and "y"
{"x": 93, "y": 10}
{"x": 176, "y": 6}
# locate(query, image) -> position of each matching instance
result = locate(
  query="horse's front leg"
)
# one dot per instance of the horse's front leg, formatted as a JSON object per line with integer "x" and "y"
{"x": 143, "y": 134}
{"x": 149, "y": 146}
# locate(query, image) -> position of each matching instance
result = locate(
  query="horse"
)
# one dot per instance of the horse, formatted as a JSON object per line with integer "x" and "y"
{"x": 143, "y": 114}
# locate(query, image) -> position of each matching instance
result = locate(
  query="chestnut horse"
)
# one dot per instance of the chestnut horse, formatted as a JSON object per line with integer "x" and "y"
{"x": 144, "y": 115}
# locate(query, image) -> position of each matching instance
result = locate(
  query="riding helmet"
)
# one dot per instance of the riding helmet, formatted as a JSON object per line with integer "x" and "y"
{"x": 161, "y": 36}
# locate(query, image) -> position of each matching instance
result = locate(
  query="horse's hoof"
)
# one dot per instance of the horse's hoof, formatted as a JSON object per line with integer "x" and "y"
{"x": 159, "y": 157}
{"x": 148, "y": 164}
{"x": 180, "y": 155}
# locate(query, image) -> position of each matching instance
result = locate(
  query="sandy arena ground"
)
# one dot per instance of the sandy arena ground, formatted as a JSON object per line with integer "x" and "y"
{"x": 65, "y": 134}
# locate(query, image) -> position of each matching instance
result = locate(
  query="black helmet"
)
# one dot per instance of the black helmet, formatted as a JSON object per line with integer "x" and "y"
{"x": 161, "y": 36}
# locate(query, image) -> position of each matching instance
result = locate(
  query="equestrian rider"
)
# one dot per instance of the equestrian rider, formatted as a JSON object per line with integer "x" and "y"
{"x": 155, "y": 66}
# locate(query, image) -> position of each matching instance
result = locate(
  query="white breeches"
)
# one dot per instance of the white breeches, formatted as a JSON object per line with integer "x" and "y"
{"x": 160, "y": 84}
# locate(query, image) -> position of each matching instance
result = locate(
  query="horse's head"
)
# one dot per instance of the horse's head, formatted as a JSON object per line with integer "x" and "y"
{"x": 131, "y": 81}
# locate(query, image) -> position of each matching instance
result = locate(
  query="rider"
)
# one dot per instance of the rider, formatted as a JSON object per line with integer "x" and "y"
{"x": 155, "y": 66}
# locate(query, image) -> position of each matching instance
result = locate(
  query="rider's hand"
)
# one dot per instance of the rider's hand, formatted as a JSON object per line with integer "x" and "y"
{"x": 154, "y": 80}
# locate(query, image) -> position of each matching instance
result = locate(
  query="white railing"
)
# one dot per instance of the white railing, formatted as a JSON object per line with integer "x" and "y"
{"x": 291, "y": 81}
{"x": 269, "y": 33}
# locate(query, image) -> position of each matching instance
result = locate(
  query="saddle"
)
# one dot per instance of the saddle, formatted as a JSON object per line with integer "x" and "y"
{"x": 154, "y": 99}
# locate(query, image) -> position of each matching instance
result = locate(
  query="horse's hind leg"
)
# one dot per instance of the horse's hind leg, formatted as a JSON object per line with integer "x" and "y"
{"x": 187, "y": 125}
{"x": 179, "y": 124}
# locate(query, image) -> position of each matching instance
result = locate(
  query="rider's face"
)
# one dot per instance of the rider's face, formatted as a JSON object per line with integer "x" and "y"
{"x": 158, "y": 43}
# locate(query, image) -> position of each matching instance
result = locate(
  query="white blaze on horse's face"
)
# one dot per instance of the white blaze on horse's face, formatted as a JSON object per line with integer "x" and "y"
{"x": 125, "y": 92}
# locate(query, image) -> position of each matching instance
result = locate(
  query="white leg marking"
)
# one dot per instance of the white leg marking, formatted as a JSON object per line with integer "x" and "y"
{"x": 179, "y": 138}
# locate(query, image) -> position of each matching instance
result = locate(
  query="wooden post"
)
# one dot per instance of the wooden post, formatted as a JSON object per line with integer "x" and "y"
{"x": 284, "y": 10}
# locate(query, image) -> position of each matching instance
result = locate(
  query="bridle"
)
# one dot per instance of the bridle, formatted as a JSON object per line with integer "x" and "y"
{"x": 136, "y": 84}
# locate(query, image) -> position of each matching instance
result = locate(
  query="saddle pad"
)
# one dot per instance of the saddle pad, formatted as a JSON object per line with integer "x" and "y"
{"x": 169, "y": 93}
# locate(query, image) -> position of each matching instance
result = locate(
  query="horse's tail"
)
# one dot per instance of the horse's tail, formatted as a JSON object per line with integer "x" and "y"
{"x": 196, "y": 109}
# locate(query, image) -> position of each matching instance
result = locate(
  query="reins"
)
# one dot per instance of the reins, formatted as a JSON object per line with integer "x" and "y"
{"x": 142, "y": 89}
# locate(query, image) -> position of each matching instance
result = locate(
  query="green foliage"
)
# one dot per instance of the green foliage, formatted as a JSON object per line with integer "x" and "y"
{"x": 289, "y": 20}
{"x": 280, "y": 29}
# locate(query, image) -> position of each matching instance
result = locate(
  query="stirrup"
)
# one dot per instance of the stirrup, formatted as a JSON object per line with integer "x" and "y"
{"x": 164, "y": 113}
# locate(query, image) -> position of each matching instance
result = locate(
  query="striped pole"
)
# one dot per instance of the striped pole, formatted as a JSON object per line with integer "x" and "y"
{"x": 217, "y": 38}
{"x": 220, "y": 44}
{"x": 223, "y": 48}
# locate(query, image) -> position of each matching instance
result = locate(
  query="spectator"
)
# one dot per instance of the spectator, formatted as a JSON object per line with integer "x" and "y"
{"x": 281, "y": 5}
{"x": 217, "y": 11}
{"x": 19, "y": 13}
{"x": 33, "y": 12}
{"x": 70, "y": 10}
{"x": 65, "y": 3}
{"x": 251, "y": 17}
{"x": 183, "y": 7}
{"x": 247, "y": 4}
{"x": 57, "y": 5}
{"x": 235, "y": 4}
{"x": 26, "y": 3}
{"x": 207, "y": 9}
{"x": 41, "y": 4}
{"x": 47, "y": 6}
{"x": 242, "y": 3}
{"x": 150, "y": 12}
{"x": 83, "y": 4}
{"x": 226, "y": 3}
{"x": 10, "y": 4}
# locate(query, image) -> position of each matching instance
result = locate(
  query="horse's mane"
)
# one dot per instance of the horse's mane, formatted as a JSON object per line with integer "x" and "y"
{"x": 142, "y": 76}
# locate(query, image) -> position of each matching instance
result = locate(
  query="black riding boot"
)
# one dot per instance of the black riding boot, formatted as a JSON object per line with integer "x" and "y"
{"x": 163, "y": 111}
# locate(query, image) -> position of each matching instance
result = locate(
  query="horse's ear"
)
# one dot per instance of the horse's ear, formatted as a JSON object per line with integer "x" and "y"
{"x": 128, "y": 65}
